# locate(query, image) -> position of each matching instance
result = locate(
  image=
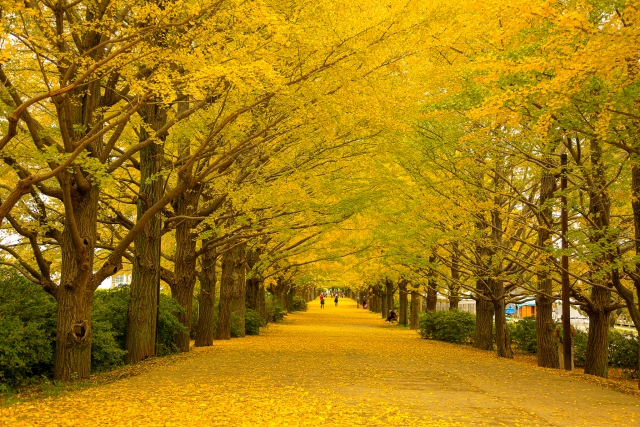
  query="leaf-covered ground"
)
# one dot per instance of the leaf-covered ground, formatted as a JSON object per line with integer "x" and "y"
{"x": 336, "y": 367}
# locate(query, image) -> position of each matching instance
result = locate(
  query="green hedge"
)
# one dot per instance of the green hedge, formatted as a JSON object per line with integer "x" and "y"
{"x": 274, "y": 309}
{"x": 27, "y": 329}
{"x": 523, "y": 334}
{"x": 450, "y": 325}
{"x": 299, "y": 304}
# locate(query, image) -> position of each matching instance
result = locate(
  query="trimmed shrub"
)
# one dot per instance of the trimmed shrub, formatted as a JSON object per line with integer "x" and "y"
{"x": 169, "y": 325}
{"x": 274, "y": 309}
{"x": 27, "y": 329}
{"x": 523, "y": 333}
{"x": 236, "y": 328}
{"x": 580, "y": 348}
{"x": 299, "y": 304}
{"x": 451, "y": 326}
{"x": 252, "y": 322}
{"x": 623, "y": 350}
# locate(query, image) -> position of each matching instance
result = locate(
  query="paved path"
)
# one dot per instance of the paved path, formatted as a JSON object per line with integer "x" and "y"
{"x": 336, "y": 367}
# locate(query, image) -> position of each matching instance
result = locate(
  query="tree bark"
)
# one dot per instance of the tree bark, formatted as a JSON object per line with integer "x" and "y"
{"x": 484, "y": 319}
{"x": 416, "y": 301}
{"x": 145, "y": 276}
{"x": 503, "y": 341}
{"x": 229, "y": 290}
{"x": 404, "y": 302}
{"x": 206, "y": 299}
{"x": 290, "y": 294}
{"x": 390, "y": 293}
{"x": 599, "y": 308}
{"x": 432, "y": 295}
{"x": 597, "y": 360}
{"x": 75, "y": 293}
{"x": 547, "y": 353}
{"x": 239, "y": 288}
{"x": 454, "y": 286}
{"x": 384, "y": 304}
{"x": 185, "y": 263}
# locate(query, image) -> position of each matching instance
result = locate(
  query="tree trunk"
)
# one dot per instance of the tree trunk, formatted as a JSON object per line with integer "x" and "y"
{"x": 484, "y": 319}
{"x": 145, "y": 275}
{"x": 416, "y": 300}
{"x": 599, "y": 308}
{"x": 404, "y": 302}
{"x": 232, "y": 262}
{"x": 239, "y": 289}
{"x": 290, "y": 294}
{"x": 390, "y": 292}
{"x": 384, "y": 305}
{"x": 597, "y": 360}
{"x": 454, "y": 286}
{"x": 207, "y": 299}
{"x": 503, "y": 341}
{"x": 547, "y": 353}
{"x": 432, "y": 296}
{"x": 635, "y": 204}
{"x": 73, "y": 333}
{"x": 75, "y": 293}
{"x": 185, "y": 264}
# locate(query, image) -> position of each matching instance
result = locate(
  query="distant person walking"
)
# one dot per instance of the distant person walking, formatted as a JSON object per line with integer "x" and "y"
{"x": 321, "y": 301}
{"x": 357, "y": 302}
{"x": 336, "y": 300}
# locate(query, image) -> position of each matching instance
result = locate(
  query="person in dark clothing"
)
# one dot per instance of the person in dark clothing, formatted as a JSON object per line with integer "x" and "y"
{"x": 321, "y": 301}
{"x": 336, "y": 300}
{"x": 393, "y": 317}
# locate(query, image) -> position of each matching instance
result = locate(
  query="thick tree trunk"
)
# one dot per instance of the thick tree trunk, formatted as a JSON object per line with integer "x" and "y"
{"x": 74, "y": 295}
{"x": 547, "y": 353}
{"x": 416, "y": 301}
{"x": 145, "y": 275}
{"x": 484, "y": 319}
{"x": 432, "y": 296}
{"x": 384, "y": 305}
{"x": 390, "y": 293}
{"x": 73, "y": 333}
{"x": 185, "y": 264}
{"x": 239, "y": 289}
{"x": 454, "y": 286}
{"x": 635, "y": 204}
{"x": 404, "y": 302}
{"x": 206, "y": 299}
{"x": 233, "y": 271}
{"x": 503, "y": 341}
{"x": 599, "y": 308}
{"x": 597, "y": 360}
{"x": 290, "y": 294}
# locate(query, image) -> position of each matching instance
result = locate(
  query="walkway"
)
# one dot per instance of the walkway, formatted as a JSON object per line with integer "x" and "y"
{"x": 336, "y": 367}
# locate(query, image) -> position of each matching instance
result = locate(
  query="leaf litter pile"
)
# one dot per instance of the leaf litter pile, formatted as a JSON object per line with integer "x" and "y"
{"x": 336, "y": 367}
